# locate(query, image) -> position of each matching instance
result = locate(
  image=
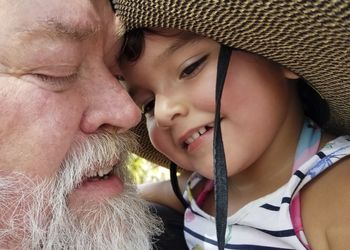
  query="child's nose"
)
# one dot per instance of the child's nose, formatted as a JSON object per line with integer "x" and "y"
{"x": 168, "y": 110}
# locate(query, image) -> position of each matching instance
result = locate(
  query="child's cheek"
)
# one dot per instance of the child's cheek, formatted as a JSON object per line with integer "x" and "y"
{"x": 157, "y": 137}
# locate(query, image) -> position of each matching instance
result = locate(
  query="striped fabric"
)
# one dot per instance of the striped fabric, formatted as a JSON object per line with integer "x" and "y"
{"x": 265, "y": 223}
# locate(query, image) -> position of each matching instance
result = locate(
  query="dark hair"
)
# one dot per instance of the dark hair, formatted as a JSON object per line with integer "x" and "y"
{"x": 133, "y": 45}
{"x": 134, "y": 41}
{"x": 314, "y": 105}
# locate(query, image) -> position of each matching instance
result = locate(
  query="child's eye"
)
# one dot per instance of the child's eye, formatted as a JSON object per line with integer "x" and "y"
{"x": 148, "y": 107}
{"x": 193, "y": 68}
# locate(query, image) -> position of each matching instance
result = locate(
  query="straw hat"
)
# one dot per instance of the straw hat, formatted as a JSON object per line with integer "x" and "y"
{"x": 311, "y": 38}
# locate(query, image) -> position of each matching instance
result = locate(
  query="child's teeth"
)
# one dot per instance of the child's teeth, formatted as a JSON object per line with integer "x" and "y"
{"x": 195, "y": 135}
{"x": 189, "y": 140}
{"x": 202, "y": 130}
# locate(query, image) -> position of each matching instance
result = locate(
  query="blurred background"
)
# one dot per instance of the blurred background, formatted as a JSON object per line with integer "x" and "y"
{"x": 144, "y": 171}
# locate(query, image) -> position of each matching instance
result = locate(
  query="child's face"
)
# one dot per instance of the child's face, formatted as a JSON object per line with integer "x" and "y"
{"x": 174, "y": 83}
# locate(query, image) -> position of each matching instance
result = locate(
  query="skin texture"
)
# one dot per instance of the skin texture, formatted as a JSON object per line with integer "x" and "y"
{"x": 184, "y": 104}
{"x": 63, "y": 117}
{"x": 260, "y": 112}
{"x": 58, "y": 86}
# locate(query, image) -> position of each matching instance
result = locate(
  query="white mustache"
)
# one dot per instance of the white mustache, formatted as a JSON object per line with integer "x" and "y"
{"x": 41, "y": 218}
{"x": 105, "y": 148}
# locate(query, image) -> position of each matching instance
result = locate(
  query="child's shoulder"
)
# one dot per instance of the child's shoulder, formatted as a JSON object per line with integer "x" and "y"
{"x": 326, "y": 208}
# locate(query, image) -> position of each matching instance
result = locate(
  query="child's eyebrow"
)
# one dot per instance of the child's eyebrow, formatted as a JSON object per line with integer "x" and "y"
{"x": 178, "y": 44}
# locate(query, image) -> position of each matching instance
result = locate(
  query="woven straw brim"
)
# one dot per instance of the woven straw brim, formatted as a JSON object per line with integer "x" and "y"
{"x": 311, "y": 38}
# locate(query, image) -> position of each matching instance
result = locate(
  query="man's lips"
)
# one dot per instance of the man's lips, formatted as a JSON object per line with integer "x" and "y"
{"x": 96, "y": 190}
{"x": 101, "y": 170}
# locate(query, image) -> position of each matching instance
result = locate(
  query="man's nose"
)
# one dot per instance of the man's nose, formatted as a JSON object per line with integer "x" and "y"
{"x": 168, "y": 110}
{"x": 109, "y": 104}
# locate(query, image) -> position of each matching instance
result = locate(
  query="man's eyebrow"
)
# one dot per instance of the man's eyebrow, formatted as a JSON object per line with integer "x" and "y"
{"x": 55, "y": 28}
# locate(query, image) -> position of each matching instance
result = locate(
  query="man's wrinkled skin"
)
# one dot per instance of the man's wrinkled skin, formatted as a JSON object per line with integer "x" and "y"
{"x": 63, "y": 139}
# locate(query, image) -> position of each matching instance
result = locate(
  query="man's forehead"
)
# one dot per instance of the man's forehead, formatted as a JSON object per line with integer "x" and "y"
{"x": 55, "y": 27}
{"x": 78, "y": 20}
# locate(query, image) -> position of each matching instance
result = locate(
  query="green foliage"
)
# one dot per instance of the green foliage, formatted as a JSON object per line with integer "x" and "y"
{"x": 144, "y": 171}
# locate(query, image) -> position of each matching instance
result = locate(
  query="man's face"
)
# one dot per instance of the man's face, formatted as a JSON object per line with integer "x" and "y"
{"x": 57, "y": 83}
{"x": 62, "y": 110}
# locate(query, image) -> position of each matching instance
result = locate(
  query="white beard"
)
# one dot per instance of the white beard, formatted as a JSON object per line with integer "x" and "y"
{"x": 38, "y": 216}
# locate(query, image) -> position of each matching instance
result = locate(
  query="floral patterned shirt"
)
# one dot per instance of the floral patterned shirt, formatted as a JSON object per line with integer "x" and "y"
{"x": 265, "y": 223}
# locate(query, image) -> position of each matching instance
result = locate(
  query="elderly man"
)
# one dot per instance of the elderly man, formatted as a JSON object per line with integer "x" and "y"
{"x": 62, "y": 132}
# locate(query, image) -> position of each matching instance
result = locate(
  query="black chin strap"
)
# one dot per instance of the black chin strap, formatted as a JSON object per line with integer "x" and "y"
{"x": 220, "y": 170}
{"x": 175, "y": 184}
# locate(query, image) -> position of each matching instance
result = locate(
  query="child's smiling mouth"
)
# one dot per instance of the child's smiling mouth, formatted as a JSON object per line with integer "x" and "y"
{"x": 193, "y": 136}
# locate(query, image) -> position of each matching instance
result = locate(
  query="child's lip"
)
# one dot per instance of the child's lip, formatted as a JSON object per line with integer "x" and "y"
{"x": 189, "y": 133}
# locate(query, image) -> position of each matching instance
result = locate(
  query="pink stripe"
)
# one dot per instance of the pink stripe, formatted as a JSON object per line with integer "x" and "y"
{"x": 295, "y": 211}
{"x": 306, "y": 155}
{"x": 209, "y": 185}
